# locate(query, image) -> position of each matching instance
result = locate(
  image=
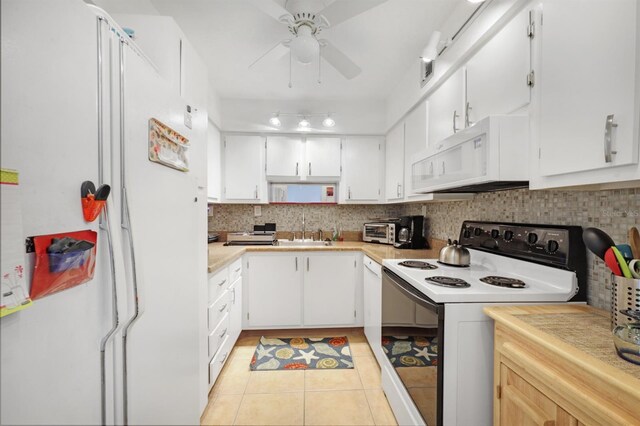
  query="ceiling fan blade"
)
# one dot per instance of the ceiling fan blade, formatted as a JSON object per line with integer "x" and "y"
{"x": 339, "y": 60}
{"x": 341, "y": 10}
{"x": 273, "y": 9}
{"x": 273, "y": 54}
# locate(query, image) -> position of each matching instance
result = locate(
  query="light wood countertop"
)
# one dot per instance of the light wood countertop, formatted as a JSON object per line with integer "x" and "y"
{"x": 221, "y": 255}
{"x": 580, "y": 334}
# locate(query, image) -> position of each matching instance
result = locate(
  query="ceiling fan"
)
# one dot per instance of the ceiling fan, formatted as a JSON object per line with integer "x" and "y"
{"x": 305, "y": 22}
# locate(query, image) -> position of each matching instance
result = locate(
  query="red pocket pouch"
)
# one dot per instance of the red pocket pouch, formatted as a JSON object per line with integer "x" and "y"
{"x": 54, "y": 272}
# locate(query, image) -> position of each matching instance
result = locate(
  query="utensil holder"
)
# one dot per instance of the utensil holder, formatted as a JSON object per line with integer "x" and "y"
{"x": 625, "y": 294}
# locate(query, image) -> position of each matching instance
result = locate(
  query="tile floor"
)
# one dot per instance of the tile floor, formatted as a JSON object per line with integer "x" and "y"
{"x": 311, "y": 397}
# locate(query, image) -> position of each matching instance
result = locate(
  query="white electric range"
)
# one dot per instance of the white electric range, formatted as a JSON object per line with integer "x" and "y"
{"x": 437, "y": 361}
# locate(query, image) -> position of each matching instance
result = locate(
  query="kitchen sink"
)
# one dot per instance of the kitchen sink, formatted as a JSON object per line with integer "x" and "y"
{"x": 304, "y": 243}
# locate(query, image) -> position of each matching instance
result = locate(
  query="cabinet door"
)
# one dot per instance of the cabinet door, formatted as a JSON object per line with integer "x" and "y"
{"x": 373, "y": 305}
{"x": 446, "y": 108}
{"x": 496, "y": 74}
{"x": 275, "y": 290}
{"x": 585, "y": 77}
{"x": 329, "y": 290}
{"x": 214, "y": 174}
{"x": 284, "y": 156}
{"x": 322, "y": 157}
{"x": 394, "y": 164}
{"x": 362, "y": 163}
{"x": 523, "y": 404}
{"x": 235, "y": 312}
{"x": 415, "y": 138}
{"x": 243, "y": 165}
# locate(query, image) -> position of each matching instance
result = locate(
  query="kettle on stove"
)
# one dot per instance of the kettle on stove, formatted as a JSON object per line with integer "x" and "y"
{"x": 453, "y": 254}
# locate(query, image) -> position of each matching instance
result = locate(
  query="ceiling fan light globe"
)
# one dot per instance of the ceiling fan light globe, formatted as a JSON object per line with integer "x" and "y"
{"x": 305, "y": 47}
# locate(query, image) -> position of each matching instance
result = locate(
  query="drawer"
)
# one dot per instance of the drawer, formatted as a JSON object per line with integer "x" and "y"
{"x": 218, "y": 360}
{"x": 235, "y": 270}
{"x": 218, "y": 335}
{"x": 217, "y": 310}
{"x": 218, "y": 282}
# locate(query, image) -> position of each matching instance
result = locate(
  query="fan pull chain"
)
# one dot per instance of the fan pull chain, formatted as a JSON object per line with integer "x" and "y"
{"x": 290, "y": 85}
{"x": 319, "y": 66}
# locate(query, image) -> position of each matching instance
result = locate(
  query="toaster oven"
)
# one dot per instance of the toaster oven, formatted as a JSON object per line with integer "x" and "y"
{"x": 380, "y": 232}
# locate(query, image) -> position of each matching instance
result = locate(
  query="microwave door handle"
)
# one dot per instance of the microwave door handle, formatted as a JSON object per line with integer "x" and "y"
{"x": 411, "y": 293}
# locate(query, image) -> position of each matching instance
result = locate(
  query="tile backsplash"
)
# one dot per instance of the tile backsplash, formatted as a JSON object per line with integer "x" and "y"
{"x": 614, "y": 211}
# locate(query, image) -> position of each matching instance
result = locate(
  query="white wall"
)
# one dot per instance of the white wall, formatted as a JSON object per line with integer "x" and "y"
{"x": 408, "y": 92}
{"x": 365, "y": 117}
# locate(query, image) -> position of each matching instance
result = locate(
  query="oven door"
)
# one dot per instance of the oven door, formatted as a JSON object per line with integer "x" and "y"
{"x": 413, "y": 343}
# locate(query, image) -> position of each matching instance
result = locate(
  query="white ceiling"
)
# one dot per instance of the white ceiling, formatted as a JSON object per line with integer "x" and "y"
{"x": 230, "y": 34}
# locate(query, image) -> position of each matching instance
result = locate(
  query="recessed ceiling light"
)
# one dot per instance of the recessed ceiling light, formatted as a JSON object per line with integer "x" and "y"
{"x": 328, "y": 122}
{"x": 304, "y": 123}
{"x": 275, "y": 121}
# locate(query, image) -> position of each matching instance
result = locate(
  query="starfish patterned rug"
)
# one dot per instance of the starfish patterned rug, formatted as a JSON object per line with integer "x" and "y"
{"x": 411, "y": 351}
{"x": 301, "y": 353}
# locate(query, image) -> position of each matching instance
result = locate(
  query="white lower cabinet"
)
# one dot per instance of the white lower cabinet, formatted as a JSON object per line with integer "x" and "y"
{"x": 330, "y": 289}
{"x": 274, "y": 287}
{"x": 223, "y": 319}
{"x": 302, "y": 289}
{"x": 372, "y": 291}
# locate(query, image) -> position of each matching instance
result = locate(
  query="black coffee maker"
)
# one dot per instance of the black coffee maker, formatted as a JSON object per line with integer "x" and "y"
{"x": 411, "y": 233}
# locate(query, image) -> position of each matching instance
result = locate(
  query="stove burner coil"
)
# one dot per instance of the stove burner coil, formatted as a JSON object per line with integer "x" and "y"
{"x": 417, "y": 264}
{"x": 448, "y": 282}
{"x": 503, "y": 281}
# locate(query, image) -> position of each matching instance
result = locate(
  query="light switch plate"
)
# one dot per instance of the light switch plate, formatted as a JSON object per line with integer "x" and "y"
{"x": 257, "y": 211}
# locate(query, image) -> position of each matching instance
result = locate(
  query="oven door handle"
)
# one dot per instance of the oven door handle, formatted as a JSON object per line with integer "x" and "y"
{"x": 412, "y": 293}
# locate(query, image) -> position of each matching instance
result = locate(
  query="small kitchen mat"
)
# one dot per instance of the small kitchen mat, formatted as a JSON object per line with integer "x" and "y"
{"x": 301, "y": 353}
{"x": 411, "y": 351}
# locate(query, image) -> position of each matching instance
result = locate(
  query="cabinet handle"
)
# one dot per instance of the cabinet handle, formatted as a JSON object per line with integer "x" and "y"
{"x": 256, "y": 192}
{"x": 222, "y": 308}
{"x": 398, "y": 190}
{"x": 296, "y": 263}
{"x": 443, "y": 168}
{"x": 297, "y": 169}
{"x": 467, "y": 122}
{"x": 221, "y": 283}
{"x": 223, "y": 333}
{"x": 455, "y": 116}
{"x": 349, "y": 193}
{"x": 608, "y": 138}
{"x": 307, "y": 264}
{"x": 431, "y": 169}
{"x": 309, "y": 168}
{"x": 224, "y": 358}
{"x": 234, "y": 296}
{"x": 238, "y": 270}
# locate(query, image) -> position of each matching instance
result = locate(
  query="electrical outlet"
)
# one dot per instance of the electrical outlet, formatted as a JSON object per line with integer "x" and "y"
{"x": 257, "y": 211}
{"x": 424, "y": 210}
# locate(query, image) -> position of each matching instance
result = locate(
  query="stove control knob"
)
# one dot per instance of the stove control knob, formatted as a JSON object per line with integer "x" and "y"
{"x": 552, "y": 246}
{"x": 532, "y": 238}
{"x": 466, "y": 233}
{"x": 495, "y": 233}
{"x": 477, "y": 232}
{"x": 508, "y": 235}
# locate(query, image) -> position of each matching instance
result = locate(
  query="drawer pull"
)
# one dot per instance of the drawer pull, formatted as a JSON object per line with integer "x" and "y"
{"x": 222, "y": 308}
{"x": 238, "y": 270}
{"x": 221, "y": 283}
{"x": 224, "y": 358}
{"x": 223, "y": 333}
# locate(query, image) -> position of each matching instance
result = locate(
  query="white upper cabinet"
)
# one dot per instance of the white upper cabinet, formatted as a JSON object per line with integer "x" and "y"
{"x": 363, "y": 159}
{"x": 214, "y": 174}
{"x": 322, "y": 158}
{"x": 588, "y": 93}
{"x": 284, "y": 157}
{"x": 446, "y": 109}
{"x": 415, "y": 138}
{"x": 394, "y": 164}
{"x": 497, "y": 73}
{"x": 244, "y": 180}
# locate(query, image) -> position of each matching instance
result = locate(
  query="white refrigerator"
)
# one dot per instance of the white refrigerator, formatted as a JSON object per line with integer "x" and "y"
{"x": 123, "y": 348}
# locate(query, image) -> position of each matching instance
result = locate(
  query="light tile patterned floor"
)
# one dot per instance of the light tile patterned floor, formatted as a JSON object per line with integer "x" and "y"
{"x": 312, "y": 397}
